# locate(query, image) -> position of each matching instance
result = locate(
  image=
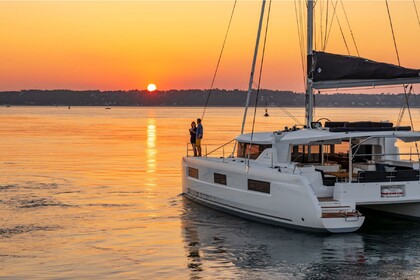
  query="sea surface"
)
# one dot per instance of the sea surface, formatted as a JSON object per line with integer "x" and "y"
{"x": 89, "y": 192}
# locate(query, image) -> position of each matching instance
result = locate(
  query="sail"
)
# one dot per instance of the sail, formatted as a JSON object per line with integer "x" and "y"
{"x": 341, "y": 71}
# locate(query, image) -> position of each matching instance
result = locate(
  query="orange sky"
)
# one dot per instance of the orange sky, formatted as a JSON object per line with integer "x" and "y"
{"x": 125, "y": 45}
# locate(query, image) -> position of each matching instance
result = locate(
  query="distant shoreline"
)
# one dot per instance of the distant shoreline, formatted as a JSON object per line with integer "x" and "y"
{"x": 197, "y": 98}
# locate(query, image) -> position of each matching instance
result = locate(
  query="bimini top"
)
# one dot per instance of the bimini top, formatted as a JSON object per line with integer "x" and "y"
{"x": 325, "y": 136}
{"x": 333, "y": 133}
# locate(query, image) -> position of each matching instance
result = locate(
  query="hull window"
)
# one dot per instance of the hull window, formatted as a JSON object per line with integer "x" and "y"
{"x": 258, "y": 186}
{"x": 193, "y": 172}
{"x": 220, "y": 178}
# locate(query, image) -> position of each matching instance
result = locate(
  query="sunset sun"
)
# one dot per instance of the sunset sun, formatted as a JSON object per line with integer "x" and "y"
{"x": 151, "y": 87}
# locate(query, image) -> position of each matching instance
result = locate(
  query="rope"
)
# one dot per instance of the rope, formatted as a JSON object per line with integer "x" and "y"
{"x": 301, "y": 43}
{"x": 402, "y": 110}
{"x": 326, "y": 25}
{"x": 321, "y": 7}
{"x": 417, "y": 148}
{"x": 417, "y": 14}
{"x": 314, "y": 29}
{"x": 351, "y": 31}
{"x": 218, "y": 148}
{"x": 411, "y": 119}
{"x": 291, "y": 116}
{"x": 218, "y": 61}
{"x": 342, "y": 35}
{"x": 393, "y": 34}
{"x": 332, "y": 21}
{"x": 399, "y": 63}
{"x": 259, "y": 78}
{"x": 408, "y": 106}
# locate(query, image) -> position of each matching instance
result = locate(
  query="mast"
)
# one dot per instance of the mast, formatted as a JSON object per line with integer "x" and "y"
{"x": 254, "y": 61}
{"x": 309, "y": 99}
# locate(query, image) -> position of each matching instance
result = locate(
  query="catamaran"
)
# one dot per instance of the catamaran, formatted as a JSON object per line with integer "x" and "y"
{"x": 316, "y": 178}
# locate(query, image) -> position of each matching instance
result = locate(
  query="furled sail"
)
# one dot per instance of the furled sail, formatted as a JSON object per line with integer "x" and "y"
{"x": 342, "y": 71}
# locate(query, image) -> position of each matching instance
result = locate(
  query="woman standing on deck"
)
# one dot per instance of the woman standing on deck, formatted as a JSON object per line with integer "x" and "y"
{"x": 193, "y": 132}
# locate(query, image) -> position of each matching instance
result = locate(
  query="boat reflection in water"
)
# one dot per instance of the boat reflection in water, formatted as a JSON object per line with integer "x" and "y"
{"x": 221, "y": 245}
{"x": 214, "y": 248}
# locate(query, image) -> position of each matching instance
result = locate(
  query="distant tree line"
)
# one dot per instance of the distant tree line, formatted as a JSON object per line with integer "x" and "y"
{"x": 195, "y": 97}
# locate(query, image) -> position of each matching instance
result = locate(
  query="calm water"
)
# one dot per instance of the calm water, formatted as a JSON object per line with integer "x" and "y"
{"x": 89, "y": 192}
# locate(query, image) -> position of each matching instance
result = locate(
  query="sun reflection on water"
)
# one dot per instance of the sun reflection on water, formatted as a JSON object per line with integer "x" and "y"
{"x": 151, "y": 146}
{"x": 151, "y": 152}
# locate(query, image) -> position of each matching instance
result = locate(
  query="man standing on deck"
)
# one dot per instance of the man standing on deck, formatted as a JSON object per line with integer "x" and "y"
{"x": 199, "y": 136}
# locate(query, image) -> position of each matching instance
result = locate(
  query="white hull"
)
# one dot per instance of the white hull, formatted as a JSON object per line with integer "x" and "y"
{"x": 296, "y": 197}
{"x": 291, "y": 202}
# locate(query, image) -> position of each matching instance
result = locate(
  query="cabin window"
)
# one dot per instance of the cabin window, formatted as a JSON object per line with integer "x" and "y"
{"x": 342, "y": 148}
{"x": 258, "y": 186}
{"x": 193, "y": 172}
{"x": 306, "y": 153}
{"x": 338, "y": 154}
{"x": 220, "y": 178}
{"x": 254, "y": 150}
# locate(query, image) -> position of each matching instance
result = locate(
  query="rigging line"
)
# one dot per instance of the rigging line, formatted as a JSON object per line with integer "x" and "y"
{"x": 302, "y": 31}
{"x": 417, "y": 14}
{"x": 393, "y": 34}
{"x": 300, "y": 43}
{"x": 402, "y": 110}
{"x": 302, "y": 28}
{"x": 408, "y": 106}
{"x": 401, "y": 115}
{"x": 351, "y": 31}
{"x": 326, "y": 25}
{"x": 415, "y": 143}
{"x": 291, "y": 116}
{"x": 218, "y": 61}
{"x": 342, "y": 35}
{"x": 259, "y": 77}
{"x": 302, "y": 9}
{"x": 398, "y": 57}
{"x": 321, "y": 7}
{"x": 332, "y": 21}
{"x": 411, "y": 119}
{"x": 314, "y": 30}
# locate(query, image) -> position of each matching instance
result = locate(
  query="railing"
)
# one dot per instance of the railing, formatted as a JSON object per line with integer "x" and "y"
{"x": 387, "y": 154}
{"x": 189, "y": 149}
{"x": 221, "y": 149}
{"x": 218, "y": 148}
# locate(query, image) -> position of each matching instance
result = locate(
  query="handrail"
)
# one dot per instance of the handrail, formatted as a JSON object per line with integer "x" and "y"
{"x": 219, "y": 147}
{"x": 387, "y": 154}
{"x": 188, "y": 149}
